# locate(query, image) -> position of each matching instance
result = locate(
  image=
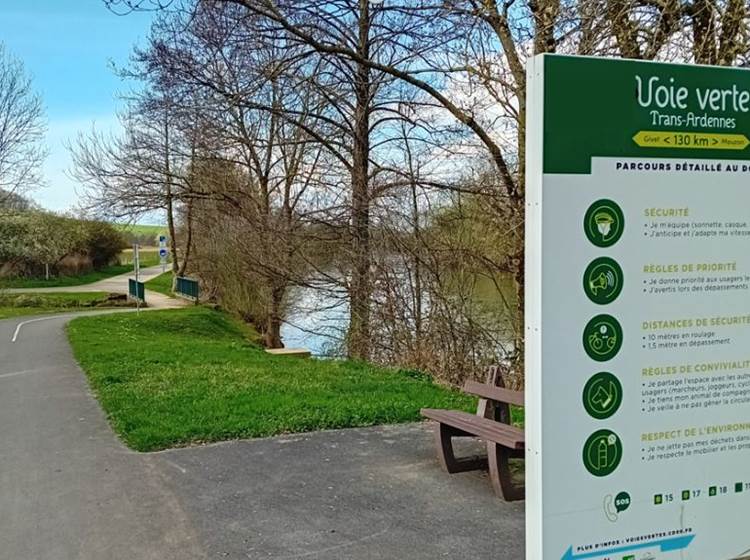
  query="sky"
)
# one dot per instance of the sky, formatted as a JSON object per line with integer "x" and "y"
{"x": 68, "y": 47}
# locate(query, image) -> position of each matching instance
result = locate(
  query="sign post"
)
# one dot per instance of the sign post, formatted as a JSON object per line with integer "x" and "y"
{"x": 137, "y": 269}
{"x": 163, "y": 253}
{"x": 637, "y": 311}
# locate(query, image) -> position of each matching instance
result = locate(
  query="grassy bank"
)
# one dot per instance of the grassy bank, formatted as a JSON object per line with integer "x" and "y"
{"x": 161, "y": 284}
{"x": 175, "y": 377}
{"x": 18, "y": 305}
{"x": 141, "y": 229}
{"x": 148, "y": 258}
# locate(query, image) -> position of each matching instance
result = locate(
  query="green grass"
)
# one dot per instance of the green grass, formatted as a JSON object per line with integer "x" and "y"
{"x": 141, "y": 234}
{"x": 140, "y": 229}
{"x": 149, "y": 257}
{"x": 175, "y": 377}
{"x": 161, "y": 284}
{"x": 64, "y": 281}
{"x": 17, "y": 305}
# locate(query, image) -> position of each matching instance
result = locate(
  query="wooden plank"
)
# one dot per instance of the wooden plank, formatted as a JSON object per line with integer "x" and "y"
{"x": 497, "y": 394}
{"x": 295, "y": 352}
{"x": 488, "y": 430}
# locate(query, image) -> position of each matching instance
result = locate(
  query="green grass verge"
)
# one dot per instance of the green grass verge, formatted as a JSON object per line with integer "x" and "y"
{"x": 18, "y": 305}
{"x": 140, "y": 229}
{"x": 148, "y": 258}
{"x": 175, "y": 377}
{"x": 161, "y": 284}
{"x": 65, "y": 281}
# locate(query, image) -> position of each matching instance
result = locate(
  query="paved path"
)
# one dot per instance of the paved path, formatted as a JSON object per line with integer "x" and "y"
{"x": 116, "y": 285}
{"x": 362, "y": 494}
{"x": 70, "y": 491}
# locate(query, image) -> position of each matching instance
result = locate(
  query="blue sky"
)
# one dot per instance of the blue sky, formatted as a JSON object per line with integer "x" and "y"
{"x": 67, "y": 46}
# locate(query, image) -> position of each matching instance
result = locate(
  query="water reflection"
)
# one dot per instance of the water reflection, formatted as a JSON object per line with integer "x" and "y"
{"x": 317, "y": 318}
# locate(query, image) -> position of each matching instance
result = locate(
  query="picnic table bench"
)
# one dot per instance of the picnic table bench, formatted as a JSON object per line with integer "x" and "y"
{"x": 492, "y": 424}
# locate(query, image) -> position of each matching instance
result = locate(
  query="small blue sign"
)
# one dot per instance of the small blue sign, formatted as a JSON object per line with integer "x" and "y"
{"x": 162, "y": 239}
{"x": 163, "y": 253}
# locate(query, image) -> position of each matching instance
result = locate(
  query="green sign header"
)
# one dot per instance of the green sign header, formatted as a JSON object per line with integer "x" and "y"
{"x": 642, "y": 109}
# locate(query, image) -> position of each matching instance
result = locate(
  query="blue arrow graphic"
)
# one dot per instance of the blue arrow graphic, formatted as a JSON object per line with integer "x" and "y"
{"x": 666, "y": 545}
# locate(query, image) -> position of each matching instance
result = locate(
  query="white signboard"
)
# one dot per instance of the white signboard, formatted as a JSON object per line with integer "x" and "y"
{"x": 638, "y": 311}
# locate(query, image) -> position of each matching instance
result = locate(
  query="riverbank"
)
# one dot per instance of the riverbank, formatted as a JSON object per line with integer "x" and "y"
{"x": 195, "y": 375}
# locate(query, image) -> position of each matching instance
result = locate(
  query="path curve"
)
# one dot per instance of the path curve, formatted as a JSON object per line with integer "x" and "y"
{"x": 114, "y": 285}
{"x": 68, "y": 488}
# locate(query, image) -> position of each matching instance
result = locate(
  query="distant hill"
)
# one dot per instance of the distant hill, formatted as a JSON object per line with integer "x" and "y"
{"x": 147, "y": 235}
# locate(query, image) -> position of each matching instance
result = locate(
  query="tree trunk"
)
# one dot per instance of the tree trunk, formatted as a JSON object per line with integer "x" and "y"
{"x": 188, "y": 240}
{"x": 416, "y": 254}
{"x": 417, "y": 264}
{"x": 360, "y": 286}
{"x": 172, "y": 232}
{"x": 519, "y": 353}
{"x": 272, "y": 336}
{"x": 623, "y": 28}
{"x": 170, "y": 203}
{"x": 704, "y": 32}
{"x": 731, "y": 40}
{"x": 546, "y": 13}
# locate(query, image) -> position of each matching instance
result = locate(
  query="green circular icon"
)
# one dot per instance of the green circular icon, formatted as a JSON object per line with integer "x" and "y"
{"x": 604, "y": 223}
{"x": 602, "y": 395}
{"x": 602, "y": 453}
{"x": 622, "y": 501}
{"x": 603, "y": 280}
{"x": 602, "y": 338}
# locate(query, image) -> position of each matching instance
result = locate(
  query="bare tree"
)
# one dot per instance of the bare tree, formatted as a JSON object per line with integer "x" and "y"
{"x": 143, "y": 170}
{"x": 383, "y": 65}
{"x": 704, "y": 31}
{"x": 22, "y": 128}
{"x": 348, "y": 119}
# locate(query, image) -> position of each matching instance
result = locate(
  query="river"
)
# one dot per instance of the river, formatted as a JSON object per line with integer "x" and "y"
{"x": 317, "y": 319}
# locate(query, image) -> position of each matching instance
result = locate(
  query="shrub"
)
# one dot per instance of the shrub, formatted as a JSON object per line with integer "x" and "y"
{"x": 31, "y": 240}
{"x": 102, "y": 243}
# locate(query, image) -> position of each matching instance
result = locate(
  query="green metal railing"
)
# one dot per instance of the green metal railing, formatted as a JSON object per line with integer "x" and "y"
{"x": 137, "y": 290}
{"x": 188, "y": 288}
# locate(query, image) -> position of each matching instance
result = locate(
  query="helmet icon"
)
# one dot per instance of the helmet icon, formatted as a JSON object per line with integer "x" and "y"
{"x": 604, "y": 223}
